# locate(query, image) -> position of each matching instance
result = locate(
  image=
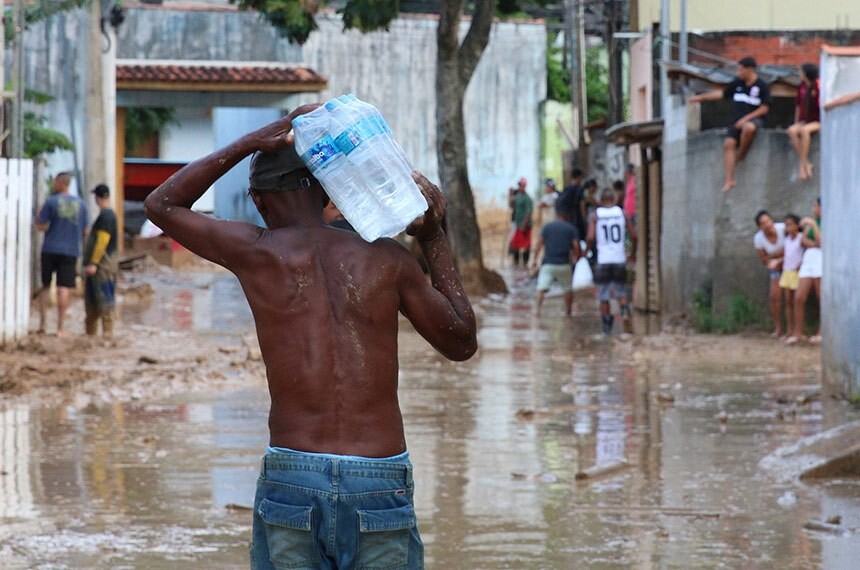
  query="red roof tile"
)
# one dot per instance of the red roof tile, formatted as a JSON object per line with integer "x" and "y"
{"x": 206, "y": 73}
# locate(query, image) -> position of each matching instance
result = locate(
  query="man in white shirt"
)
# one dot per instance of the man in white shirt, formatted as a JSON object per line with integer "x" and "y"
{"x": 607, "y": 231}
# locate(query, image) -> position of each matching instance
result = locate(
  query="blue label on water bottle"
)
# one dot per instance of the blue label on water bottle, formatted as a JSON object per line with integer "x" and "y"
{"x": 348, "y": 140}
{"x": 321, "y": 153}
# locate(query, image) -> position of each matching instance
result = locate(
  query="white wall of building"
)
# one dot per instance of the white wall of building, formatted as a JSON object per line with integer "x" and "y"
{"x": 190, "y": 139}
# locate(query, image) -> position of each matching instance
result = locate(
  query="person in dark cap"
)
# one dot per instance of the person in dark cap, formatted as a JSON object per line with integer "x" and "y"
{"x": 326, "y": 303}
{"x": 751, "y": 101}
{"x": 101, "y": 267}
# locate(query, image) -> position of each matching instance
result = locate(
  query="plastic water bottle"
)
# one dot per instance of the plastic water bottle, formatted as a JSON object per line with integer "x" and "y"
{"x": 329, "y": 165}
{"x": 349, "y": 148}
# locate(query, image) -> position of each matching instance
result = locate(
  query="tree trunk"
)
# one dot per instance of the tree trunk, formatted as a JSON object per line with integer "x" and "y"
{"x": 455, "y": 65}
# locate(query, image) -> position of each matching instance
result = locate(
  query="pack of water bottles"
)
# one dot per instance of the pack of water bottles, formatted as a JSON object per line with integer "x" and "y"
{"x": 349, "y": 148}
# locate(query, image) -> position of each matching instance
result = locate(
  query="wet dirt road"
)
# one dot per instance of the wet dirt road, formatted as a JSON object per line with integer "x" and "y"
{"x": 496, "y": 443}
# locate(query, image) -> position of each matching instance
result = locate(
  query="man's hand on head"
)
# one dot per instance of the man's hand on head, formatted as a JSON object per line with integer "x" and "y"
{"x": 429, "y": 225}
{"x": 277, "y": 135}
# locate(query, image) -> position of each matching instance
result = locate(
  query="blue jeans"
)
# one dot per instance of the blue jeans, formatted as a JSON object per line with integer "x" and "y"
{"x": 315, "y": 510}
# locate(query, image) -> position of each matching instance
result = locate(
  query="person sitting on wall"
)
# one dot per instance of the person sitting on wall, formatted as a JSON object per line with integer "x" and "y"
{"x": 751, "y": 98}
{"x": 807, "y": 116}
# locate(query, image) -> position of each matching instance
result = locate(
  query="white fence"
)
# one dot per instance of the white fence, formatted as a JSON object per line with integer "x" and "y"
{"x": 16, "y": 227}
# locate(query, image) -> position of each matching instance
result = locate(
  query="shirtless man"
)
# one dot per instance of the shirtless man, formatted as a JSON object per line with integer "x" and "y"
{"x": 336, "y": 486}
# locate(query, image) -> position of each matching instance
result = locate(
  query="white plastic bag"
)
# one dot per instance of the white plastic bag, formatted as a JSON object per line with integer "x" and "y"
{"x": 582, "y": 276}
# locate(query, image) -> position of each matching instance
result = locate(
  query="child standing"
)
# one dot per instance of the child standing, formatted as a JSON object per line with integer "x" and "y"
{"x": 792, "y": 258}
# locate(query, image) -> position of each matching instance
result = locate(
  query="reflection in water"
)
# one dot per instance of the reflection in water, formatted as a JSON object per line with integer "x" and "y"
{"x": 149, "y": 485}
{"x": 16, "y": 493}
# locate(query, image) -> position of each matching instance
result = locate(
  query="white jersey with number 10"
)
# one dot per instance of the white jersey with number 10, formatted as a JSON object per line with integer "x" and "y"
{"x": 611, "y": 229}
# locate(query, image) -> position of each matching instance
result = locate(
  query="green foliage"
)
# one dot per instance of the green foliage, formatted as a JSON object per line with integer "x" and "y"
{"x": 742, "y": 313}
{"x": 33, "y": 96}
{"x": 557, "y": 75}
{"x": 596, "y": 78}
{"x": 369, "y": 15}
{"x": 597, "y": 83}
{"x": 294, "y": 19}
{"x": 40, "y": 140}
{"x": 143, "y": 122}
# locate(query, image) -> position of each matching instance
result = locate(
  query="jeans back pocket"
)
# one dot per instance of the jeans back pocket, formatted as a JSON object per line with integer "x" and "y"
{"x": 384, "y": 535}
{"x": 289, "y": 535}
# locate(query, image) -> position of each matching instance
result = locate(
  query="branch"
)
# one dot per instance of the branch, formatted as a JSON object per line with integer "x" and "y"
{"x": 476, "y": 39}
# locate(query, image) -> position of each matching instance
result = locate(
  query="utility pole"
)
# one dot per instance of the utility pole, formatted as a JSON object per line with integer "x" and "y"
{"x": 665, "y": 55}
{"x": 612, "y": 15}
{"x": 574, "y": 24}
{"x": 16, "y": 140}
{"x": 100, "y": 105}
{"x": 683, "y": 44}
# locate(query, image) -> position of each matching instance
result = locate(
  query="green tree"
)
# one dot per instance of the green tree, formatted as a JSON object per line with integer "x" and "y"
{"x": 596, "y": 78}
{"x": 456, "y": 62}
{"x": 39, "y": 140}
{"x": 143, "y": 122}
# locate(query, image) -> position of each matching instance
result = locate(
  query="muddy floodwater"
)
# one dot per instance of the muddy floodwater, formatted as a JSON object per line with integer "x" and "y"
{"x": 497, "y": 442}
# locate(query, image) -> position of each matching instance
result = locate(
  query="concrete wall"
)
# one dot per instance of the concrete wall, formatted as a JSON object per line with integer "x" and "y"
{"x": 221, "y": 34}
{"x": 54, "y": 61}
{"x": 554, "y": 141}
{"x": 641, "y": 78}
{"x": 840, "y": 307}
{"x": 707, "y": 235}
{"x": 758, "y": 15}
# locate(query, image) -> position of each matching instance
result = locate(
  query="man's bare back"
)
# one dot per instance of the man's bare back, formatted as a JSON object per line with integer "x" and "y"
{"x": 325, "y": 302}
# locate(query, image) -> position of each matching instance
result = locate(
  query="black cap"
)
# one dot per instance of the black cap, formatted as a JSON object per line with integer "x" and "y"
{"x": 748, "y": 62}
{"x": 271, "y": 171}
{"x": 101, "y": 191}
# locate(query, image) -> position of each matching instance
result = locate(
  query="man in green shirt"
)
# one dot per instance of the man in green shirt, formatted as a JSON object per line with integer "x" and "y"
{"x": 521, "y": 241}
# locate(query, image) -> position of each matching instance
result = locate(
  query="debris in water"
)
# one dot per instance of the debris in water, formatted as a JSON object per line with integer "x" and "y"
{"x": 601, "y": 470}
{"x": 787, "y": 499}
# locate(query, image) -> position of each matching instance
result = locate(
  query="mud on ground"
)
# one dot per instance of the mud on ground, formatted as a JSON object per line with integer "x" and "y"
{"x": 138, "y": 363}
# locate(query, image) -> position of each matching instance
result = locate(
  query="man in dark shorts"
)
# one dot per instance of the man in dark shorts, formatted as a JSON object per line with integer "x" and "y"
{"x": 64, "y": 220}
{"x": 751, "y": 100}
{"x": 608, "y": 229}
{"x": 336, "y": 487}
{"x": 561, "y": 241}
{"x": 101, "y": 267}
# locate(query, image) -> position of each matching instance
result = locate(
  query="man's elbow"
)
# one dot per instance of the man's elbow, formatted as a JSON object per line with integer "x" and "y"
{"x": 153, "y": 207}
{"x": 463, "y": 350}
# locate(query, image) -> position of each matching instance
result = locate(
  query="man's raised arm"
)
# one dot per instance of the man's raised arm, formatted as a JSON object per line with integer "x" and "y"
{"x": 442, "y": 314}
{"x": 169, "y": 205}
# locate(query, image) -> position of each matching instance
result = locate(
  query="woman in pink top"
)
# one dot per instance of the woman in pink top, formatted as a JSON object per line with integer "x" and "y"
{"x": 629, "y": 205}
{"x": 791, "y": 260}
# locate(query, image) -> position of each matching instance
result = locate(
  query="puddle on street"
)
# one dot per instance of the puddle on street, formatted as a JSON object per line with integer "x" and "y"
{"x": 155, "y": 485}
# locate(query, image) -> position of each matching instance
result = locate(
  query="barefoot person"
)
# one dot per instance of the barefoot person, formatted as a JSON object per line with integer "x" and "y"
{"x": 64, "y": 220}
{"x": 769, "y": 241}
{"x": 807, "y": 117}
{"x": 810, "y": 271}
{"x": 789, "y": 280}
{"x": 751, "y": 100}
{"x": 336, "y": 488}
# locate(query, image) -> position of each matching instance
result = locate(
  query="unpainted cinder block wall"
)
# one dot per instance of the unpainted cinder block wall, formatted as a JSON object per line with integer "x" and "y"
{"x": 706, "y": 234}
